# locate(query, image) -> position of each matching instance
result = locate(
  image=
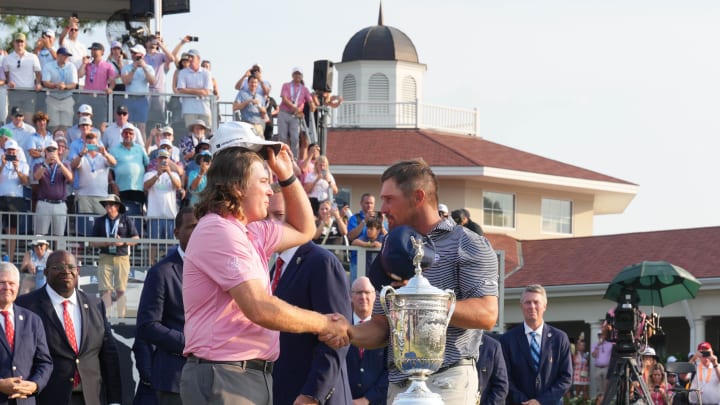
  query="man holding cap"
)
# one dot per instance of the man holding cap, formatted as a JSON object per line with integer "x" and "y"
{"x": 707, "y": 377}
{"x": 294, "y": 95}
{"x": 195, "y": 81}
{"x": 61, "y": 78}
{"x": 465, "y": 262}
{"x": 23, "y": 74}
{"x": 14, "y": 174}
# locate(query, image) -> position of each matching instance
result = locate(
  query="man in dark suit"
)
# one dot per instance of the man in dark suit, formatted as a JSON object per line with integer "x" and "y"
{"x": 367, "y": 368}
{"x": 537, "y": 355}
{"x": 84, "y": 354}
{"x": 310, "y": 277}
{"x": 25, "y": 363}
{"x": 492, "y": 373}
{"x": 161, "y": 316}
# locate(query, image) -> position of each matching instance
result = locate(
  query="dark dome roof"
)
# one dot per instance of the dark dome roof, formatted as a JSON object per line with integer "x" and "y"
{"x": 380, "y": 42}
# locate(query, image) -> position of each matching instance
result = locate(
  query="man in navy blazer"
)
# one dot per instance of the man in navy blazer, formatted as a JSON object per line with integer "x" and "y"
{"x": 25, "y": 367}
{"x": 367, "y": 369}
{"x": 308, "y": 371}
{"x": 492, "y": 373}
{"x": 96, "y": 362}
{"x": 161, "y": 315}
{"x": 546, "y": 382}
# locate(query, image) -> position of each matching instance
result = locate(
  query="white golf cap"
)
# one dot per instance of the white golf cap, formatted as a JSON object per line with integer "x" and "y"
{"x": 239, "y": 134}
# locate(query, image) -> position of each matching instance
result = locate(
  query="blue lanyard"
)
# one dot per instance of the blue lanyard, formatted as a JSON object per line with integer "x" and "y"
{"x": 111, "y": 233}
{"x": 52, "y": 173}
{"x": 292, "y": 93}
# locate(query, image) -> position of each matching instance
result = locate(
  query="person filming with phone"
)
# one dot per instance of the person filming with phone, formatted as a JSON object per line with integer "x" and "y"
{"x": 707, "y": 377}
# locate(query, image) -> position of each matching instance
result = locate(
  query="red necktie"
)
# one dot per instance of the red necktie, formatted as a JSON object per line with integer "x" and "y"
{"x": 9, "y": 330}
{"x": 360, "y": 349}
{"x": 70, "y": 332}
{"x": 278, "y": 273}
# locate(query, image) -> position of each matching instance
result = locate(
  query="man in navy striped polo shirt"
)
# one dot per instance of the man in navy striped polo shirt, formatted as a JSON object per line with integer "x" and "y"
{"x": 464, "y": 262}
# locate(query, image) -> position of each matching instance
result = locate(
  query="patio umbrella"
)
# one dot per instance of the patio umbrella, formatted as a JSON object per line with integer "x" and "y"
{"x": 656, "y": 283}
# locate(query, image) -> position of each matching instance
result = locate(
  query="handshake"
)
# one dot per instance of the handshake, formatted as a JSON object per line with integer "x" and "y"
{"x": 337, "y": 331}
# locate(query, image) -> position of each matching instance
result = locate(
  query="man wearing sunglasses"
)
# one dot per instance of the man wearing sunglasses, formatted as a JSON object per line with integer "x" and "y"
{"x": 22, "y": 75}
{"x": 112, "y": 136}
{"x": 69, "y": 40}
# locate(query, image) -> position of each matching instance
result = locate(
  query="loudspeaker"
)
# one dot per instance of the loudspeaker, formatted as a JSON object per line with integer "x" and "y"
{"x": 146, "y": 8}
{"x": 322, "y": 75}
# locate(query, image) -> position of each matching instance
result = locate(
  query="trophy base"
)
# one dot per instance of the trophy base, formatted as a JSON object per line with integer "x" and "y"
{"x": 418, "y": 394}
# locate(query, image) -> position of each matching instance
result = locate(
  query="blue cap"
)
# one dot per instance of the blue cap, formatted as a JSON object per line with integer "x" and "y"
{"x": 395, "y": 261}
{"x": 63, "y": 51}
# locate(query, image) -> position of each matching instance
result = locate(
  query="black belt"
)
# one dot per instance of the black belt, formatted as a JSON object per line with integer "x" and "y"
{"x": 255, "y": 364}
{"x": 462, "y": 362}
{"x": 53, "y": 201}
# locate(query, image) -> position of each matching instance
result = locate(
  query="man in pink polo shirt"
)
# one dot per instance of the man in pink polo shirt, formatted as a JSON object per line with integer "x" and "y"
{"x": 99, "y": 77}
{"x": 294, "y": 96}
{"x": 231, "y": 316}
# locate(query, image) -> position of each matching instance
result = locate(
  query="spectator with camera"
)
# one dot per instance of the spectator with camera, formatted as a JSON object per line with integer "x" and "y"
{"x": 294, "y": 96}
{"x": 117, "y": 60}
{"x": 320, "y": 184}
{"x": 52, "y": 175}
{"x": 69, "y": 40}
{"x": 74, "y": 133}
{"x": 707, "y": 377}
{"x": 92, "y": 164}
{"x": 330, "y": 228}
{"x": 14, "y": 174}
{"x": 161, "y": 186}
{"x": 197, "y": 177}
{"x": 658, "y": 385}
{"x": 99, "y": 78}
{"x": 60, "y": 78}
{"x": 164, "y": 138}
{"x": 138, "y": 76}
{"x": 264, "y": 86}
{"x": 160, "y": 58}
{"x": 22, "y": 74}
{"x": 252, "y": 106}
{"x": 45, "y": 48}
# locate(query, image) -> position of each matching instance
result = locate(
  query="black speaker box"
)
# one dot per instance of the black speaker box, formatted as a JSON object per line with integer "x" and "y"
{"x": 146, "y": 8}
{"x": 322, "y": 75}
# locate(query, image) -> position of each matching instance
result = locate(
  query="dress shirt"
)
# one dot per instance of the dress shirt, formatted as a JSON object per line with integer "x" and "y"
{"x": 11, "y": 310}
{"x": 538, "y": 336}
{"x": 57, "y": 302}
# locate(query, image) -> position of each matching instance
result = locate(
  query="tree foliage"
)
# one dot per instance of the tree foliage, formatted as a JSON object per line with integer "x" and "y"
{"x": 33, "y": 26}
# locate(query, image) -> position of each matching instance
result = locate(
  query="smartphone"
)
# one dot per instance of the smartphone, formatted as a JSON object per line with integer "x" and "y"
{"x": 10, "y": 158}
{"x": 92, "y": 147}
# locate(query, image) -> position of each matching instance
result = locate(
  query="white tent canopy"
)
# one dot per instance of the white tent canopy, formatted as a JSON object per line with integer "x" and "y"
{"x": 95, "y": 9}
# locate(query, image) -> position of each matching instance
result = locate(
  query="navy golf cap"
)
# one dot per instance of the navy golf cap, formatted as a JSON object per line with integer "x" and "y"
{"x": 395, "y": 260}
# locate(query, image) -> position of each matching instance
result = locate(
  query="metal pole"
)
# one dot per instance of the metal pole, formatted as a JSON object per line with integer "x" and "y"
{"x": 158, "y": 16}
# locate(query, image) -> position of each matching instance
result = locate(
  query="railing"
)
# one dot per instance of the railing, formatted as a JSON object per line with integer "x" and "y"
{"x": 164, "y": 108}
{"x": 404, "y": 115}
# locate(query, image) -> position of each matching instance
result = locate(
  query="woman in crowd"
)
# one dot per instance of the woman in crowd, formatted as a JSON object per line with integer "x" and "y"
{"x": 581, "y": 370}
{"x": 320, "y": 183}
{"x": 658, "y": 386}
{"x": 331, "y": 229}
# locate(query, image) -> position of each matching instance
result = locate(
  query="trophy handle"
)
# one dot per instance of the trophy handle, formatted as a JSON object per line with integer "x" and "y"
{"x": 383, "y": 293}
{"x": 453, "y": 299}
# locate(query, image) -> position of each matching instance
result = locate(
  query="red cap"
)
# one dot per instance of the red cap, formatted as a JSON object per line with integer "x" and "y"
{"x": 704, "y": 346}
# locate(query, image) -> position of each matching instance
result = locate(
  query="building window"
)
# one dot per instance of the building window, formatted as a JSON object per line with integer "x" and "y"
{"x": 348, "y": 111}
{"x": 407, "y": 109}
{"x": 556, "y": 216}
{"x": 378, "y": 94}
{"x": 349, "y": 88}
{"x": 499, "y": 209}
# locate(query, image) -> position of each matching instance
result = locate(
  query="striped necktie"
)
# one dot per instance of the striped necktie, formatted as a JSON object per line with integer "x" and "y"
{"x": 535, "y": 350}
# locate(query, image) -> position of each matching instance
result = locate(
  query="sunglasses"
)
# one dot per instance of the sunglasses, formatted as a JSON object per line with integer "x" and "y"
{"x": 166, "y": 135}
{"x": 18, "y": 65}
{"x": 122, "y": 113}
{"x": 73, "y": 30}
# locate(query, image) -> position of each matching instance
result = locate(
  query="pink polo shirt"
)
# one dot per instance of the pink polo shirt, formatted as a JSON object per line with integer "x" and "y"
{"x": 297, "y": 93}
{"x": 97, "y": 75}
{"x": 223, "y": 253}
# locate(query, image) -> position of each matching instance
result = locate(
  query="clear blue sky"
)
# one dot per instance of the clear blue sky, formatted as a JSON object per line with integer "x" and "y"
{"x": 628, "y": 88}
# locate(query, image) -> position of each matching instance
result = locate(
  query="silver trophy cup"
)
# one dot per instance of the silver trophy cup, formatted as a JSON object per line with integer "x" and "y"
{"x": 419, "y": 315}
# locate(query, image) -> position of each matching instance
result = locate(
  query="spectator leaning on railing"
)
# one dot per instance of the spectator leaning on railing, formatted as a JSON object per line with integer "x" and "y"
{"x": 138, "y": 76}
{"x": 196, "y": 82}
{"x": 23, "y": 73}
{"x": 60, "y": 78}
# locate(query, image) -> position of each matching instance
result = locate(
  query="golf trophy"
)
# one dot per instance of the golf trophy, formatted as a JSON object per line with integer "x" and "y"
{"x": 419, "y": 315}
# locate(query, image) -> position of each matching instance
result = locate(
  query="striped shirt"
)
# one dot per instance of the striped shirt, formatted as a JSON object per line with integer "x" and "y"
{"x": 466, "y": 263}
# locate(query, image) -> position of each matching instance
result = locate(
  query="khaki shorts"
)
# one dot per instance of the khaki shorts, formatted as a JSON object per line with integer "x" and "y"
{"x": 113, "y": 271}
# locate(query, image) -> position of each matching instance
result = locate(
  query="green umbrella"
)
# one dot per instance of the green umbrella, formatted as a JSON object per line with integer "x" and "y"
{"x": 656, "y": 283}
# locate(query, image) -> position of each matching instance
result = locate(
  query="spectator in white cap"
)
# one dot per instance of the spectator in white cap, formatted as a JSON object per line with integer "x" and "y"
{"x": 167, "y": 145}
{"x": 443, "y": 211}
{"x": 14, "y": 174}
{"x": 74, "y": 133}
{"x": 138, "y": 76}
{"x": 92, "y": 164}
{"x": 294, "y": 95}
{"x": 161, "y": 186}
{"x": 33, "y": 265}
{"x": 196, "y": 83}
{"x": 112, "y": 136}
{"x": 51, "y": 175}
{"x": 45, "y": 48}
{"x": 60, "y": 78}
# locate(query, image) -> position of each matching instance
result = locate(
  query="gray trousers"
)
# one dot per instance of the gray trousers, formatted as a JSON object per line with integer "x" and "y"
{"x": 217, "y": 384}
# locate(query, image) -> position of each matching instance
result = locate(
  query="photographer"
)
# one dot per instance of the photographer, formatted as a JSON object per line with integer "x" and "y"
{"x": 264, "y": 86}
{"x": 138, "y": 76}
{"x": 52, "y": 174}
{"x": 69, "y": 40}
{"x": 45, "y": 48}
{"x": 707, "y": 377}
{"x": 160, "y": 58}
{"x": 251, "y": 105}
{"x": 161, "y": 185}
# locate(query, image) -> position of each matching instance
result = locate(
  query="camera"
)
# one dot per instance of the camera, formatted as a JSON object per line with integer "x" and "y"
{"x": 625, "y": 323}
{"x": 705, "y": 353}
{"x": 10, "y": 158}
{"x": 138, "y": 58}
{"x": 191, "y": 38}
{"x": 164, "y": 163}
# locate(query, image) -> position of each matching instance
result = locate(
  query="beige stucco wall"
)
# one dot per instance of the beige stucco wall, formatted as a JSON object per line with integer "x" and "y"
{"x": 458, "y": 193}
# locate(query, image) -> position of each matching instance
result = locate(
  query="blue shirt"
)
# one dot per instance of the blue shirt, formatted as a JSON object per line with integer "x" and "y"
{"x": 130, "y": 167}
{"x": 251, "y": 113}
{"x": 194, "y": 198}
{"x": 52, "y": 72}
{"x": 139, "y": 83}
{"x": 36, "y": 141}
